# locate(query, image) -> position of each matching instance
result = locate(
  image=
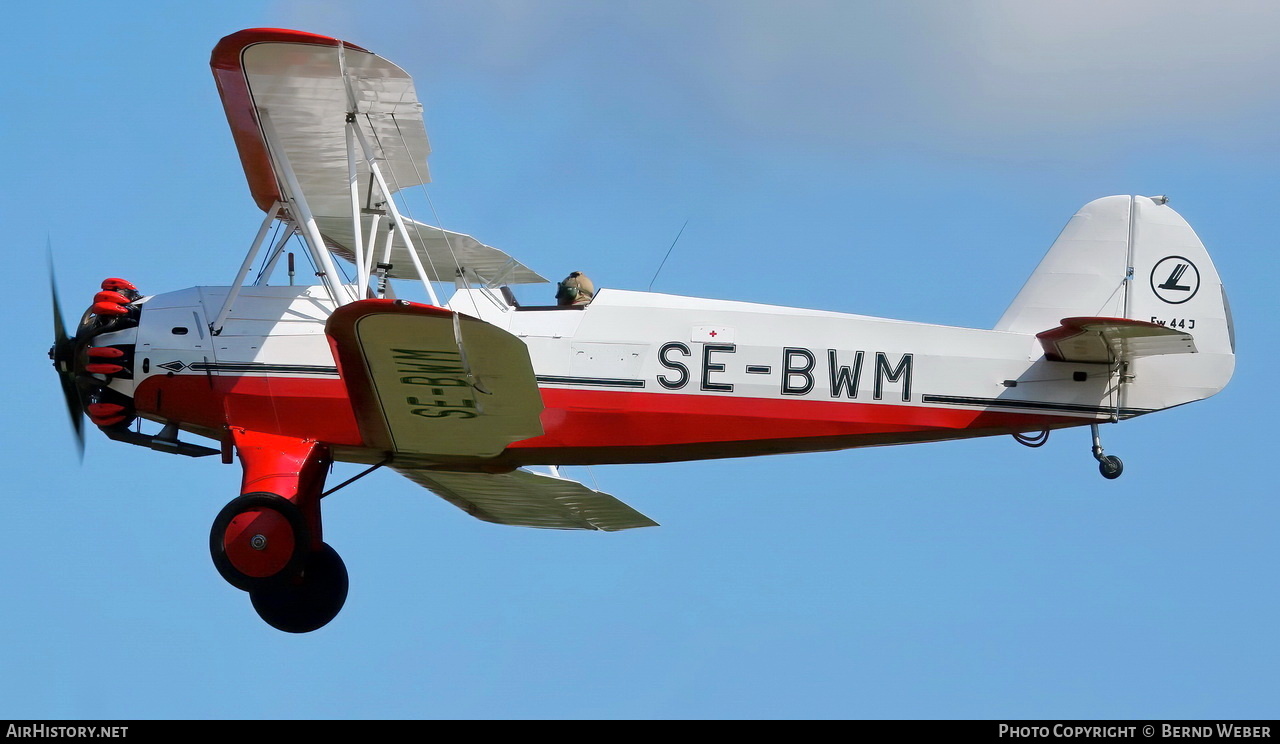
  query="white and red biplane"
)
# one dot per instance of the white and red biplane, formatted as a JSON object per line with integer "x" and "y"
{"x": 1124, "y": 316}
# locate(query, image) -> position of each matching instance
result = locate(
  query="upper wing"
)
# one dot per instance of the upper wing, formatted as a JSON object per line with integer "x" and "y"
{"x": 297, "y": 78}
{"x": 1108, "y": 340}
{"x": 528, "y": 499}
{"x": 416, "y": 390}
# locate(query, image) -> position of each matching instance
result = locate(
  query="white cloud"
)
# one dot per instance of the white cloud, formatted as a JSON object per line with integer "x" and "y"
{"x": 1092, "y": 62}
{"x": 954, "y": 75}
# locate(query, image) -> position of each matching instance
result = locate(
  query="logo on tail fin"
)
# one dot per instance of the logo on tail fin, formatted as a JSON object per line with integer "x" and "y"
{"x": 1172, "y": 281}
{"x": 1178, "y": 278}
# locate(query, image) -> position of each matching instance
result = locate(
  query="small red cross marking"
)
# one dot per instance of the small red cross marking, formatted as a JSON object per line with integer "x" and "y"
{"x": 713, "y": 334}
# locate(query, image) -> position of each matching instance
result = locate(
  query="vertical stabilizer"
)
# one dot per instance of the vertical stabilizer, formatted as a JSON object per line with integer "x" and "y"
{"x": 1135, "y": 257}
{"x": 1082, "y": 274}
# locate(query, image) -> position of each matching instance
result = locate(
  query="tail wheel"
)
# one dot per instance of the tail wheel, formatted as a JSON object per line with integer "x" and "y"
{"x": 1110, "y": 466}
{"x": 308, "y": 601}
{"x": 259, "y": 539}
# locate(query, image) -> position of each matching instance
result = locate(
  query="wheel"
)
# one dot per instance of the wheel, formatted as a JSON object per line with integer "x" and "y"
{"x": 1111, "y": 467}
{"x": 259, "y": 539}
{"x": 307, "y": 601}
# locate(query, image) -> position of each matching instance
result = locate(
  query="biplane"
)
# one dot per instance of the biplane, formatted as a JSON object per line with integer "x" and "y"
{"x": 1124, "y": 316}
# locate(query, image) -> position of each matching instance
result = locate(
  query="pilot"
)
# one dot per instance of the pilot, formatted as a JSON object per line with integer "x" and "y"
{"x": 576, "y": 289}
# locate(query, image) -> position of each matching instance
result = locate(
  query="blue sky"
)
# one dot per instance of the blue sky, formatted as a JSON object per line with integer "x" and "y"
{"x": 903, "y": 160}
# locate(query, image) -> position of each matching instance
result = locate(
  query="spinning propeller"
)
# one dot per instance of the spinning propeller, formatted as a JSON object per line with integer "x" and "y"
{"x": 63, "y": 354}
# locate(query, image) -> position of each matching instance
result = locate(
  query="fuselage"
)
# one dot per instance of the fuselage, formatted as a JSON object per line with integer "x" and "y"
{"x": 632, "y": 377}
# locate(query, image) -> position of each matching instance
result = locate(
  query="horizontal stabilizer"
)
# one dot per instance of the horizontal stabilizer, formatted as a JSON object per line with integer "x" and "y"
{"x": 1108, "y": 340}
{"x": 528, "y": 499}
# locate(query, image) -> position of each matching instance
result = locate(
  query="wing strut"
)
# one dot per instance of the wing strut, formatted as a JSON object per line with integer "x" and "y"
{"x": 353, "y": 181}
{"x": 314, "y": 240}
{"x": 215, "y": 327}
{"x": 397, "y": 222}
{"x": 353, "y": 187}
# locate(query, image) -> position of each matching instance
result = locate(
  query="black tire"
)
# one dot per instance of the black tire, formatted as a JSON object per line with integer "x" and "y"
{"x": 308, "y": 601}
{"x": 261, "y": 500}
{"x": 1111, "y": 467}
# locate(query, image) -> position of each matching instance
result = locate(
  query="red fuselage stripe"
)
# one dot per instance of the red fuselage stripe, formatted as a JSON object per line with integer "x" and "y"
{"x": 576, "y": 420}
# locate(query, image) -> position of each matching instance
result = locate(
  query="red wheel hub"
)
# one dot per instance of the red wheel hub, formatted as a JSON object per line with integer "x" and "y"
{"x": 259, "y": 542}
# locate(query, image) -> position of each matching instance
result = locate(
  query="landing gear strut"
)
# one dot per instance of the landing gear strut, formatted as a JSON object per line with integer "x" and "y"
{"x": 1109, "y": 465}
{"x": 267, "y": 541}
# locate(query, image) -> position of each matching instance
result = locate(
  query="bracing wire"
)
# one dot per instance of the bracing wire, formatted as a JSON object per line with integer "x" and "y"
{"x": 266, "y": 255}
{"x": 314, "y": 269}
{"x": 343, "y": 270}
{"x": 457, "y": 265}
{"x": 594, "y": 483}
{"x": 394, "y": 184}
{"x": 408, "y": 213}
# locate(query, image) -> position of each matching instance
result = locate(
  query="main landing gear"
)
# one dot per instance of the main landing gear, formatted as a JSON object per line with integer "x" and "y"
{"x": 267, "y": 541}
{"x": 1109, "y": 465}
